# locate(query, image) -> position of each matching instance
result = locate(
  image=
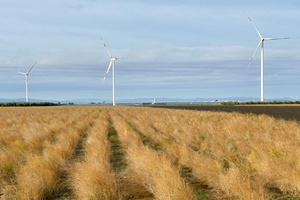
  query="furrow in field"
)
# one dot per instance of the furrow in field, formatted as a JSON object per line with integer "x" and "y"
{"x": 153, "y": 171}
{"x": 117, "y": 158}
{"x": 42, "y": 176}
{"x": 153, "y": 140}
{"x": 84, "y": 126}
{"x": 147, "y": 140}
{"x": 93, "y": 177}
{"x": 176, "y": 150}
{"x": 65, "y": 190}
{"x": 129, "y": 188}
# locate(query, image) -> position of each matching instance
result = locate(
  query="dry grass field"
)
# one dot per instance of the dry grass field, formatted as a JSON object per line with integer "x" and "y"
{"x": 98, "y": 152}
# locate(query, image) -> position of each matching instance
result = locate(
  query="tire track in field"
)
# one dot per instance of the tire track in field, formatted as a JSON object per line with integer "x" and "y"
{"x": 64, "y": 190}
{"x": 92, "y": 177}
{"x": 186, "y": 172}
{"x": 201, "y": 188}
{"x": 45, "y": 176}
{"x": 147, "y": 141}
{"x": 154, "y": 169}
{"x": 117, "y": 158}
{"x": 129, "y": 187}
{"x": 79, "y": 151}
{"x": 153, "y": 139}
{"x": 135, "y": 120}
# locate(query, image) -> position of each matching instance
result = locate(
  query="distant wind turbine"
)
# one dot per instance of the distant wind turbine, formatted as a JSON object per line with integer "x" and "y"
{"x": 111, "y": 64}
{"x": 26, "y": 79}
{"x": 261, "y": 46}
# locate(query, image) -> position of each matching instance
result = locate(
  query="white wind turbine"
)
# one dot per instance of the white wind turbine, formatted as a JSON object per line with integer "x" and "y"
{"x": 261, "y": 46}
{"x": 111, "y": 64}
{"x": 26, "y": 79}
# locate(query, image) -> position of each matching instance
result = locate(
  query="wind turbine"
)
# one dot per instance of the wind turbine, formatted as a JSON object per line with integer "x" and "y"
{"x": 26, "y": 79}
{"x": 261, "y": 46}
{"x": 111, "y": 64}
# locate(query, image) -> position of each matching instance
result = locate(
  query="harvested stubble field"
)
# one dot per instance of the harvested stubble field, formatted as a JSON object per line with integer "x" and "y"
{"x": 97, "y": 152}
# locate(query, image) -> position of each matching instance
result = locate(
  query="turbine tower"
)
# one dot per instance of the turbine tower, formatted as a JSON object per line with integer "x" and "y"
{"x": 261, "y": 46}
{"x": 26, "y": 79}
{"x": 111, "y": 64}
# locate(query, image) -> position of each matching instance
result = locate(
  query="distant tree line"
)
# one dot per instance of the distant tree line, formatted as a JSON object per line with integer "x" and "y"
{"x": 19, "y": 104}
{"x": 232, "y": 103}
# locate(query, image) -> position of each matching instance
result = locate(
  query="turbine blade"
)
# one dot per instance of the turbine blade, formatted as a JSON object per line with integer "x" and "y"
{"x": 109, "y": 66}
{"x": 255, "y": 28}
{"x": 259, "y": 44}
{"x": 106, "y": 48}
{"x": 277, "y": 38}
{"x": 31, "y": 68}
{"x": 22, "y": 73}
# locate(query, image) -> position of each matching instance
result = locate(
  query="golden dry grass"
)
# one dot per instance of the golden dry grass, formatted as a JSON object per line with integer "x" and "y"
{"x": 94, "y": 178}
{"x": 97, "y": 152}
{"x": 155, "y": 172}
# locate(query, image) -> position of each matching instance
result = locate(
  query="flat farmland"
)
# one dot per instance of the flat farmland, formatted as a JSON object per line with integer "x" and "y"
{"x": 123, "y": 152}
{"x": 288, "y": 112}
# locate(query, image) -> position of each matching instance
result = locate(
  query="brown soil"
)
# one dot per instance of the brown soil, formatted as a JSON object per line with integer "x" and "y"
{"x": 283, "y": 112}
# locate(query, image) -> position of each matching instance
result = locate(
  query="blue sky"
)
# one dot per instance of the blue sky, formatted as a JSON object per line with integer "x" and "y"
{"x": 173, "y": 49}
